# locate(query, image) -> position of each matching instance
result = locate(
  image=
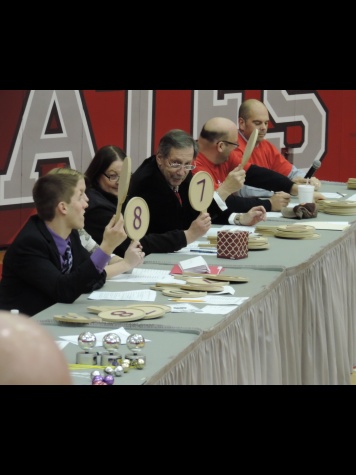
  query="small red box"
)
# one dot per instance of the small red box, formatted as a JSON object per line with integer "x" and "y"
{"x": 232, "y": 244}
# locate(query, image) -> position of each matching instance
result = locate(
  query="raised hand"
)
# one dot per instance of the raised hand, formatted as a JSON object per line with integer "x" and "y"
{"x": 233, "y": 182}
{"x": 198, "y": 228}
{"x": 114, "y": 234}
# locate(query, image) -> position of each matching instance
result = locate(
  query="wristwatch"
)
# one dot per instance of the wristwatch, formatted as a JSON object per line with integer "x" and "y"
{"x": 237, "y": 219}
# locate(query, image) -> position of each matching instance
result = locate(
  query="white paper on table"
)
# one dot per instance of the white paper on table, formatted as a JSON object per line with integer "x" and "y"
{"x": 227, "y": 289}
{"x": 216, "y": 300}
{"x": 62, "y": 344}
{"x": 140, "y": 295}
{"x": 183, "y": 308}
{"x": 213, "y": 232}
{"x": 144, "y": 276}
{"x": 195, "y": 264}
{"x": 351, "y": 198}
{"x": 188, "y": 249}
{"x": 204, "y": 250}
{"x": 330, "y": 196}
{"x": 123, "y": 334}
{"x": 273, "y": 214}
{"x": 329, "y": 225}
{"x": 217, "y": 309}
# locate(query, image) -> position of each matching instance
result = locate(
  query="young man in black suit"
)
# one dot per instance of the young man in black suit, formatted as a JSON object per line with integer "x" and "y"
{"x": 35, "y": 272}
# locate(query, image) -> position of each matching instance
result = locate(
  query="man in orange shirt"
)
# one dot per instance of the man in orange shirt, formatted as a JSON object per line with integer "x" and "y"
{"x": 253, "y": 114}
{"x": 237, "y": 191}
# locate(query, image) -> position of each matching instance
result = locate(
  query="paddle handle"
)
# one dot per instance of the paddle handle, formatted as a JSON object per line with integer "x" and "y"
{"x": 249, "y": 148}
{"x": 118, "y": 212}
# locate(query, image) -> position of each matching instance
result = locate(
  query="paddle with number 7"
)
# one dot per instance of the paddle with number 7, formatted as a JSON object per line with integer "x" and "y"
{"x": 201, "y": 191}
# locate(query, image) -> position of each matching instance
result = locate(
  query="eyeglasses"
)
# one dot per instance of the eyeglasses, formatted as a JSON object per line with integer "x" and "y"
{"x": 230, "y": 143}
{"x": 178, "y": 166}
{"x": 112, "y": 177}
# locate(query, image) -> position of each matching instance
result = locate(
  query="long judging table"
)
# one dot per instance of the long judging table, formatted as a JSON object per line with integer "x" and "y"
{"x": 297, "y": 327}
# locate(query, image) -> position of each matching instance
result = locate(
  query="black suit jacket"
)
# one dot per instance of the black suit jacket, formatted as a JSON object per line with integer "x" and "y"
{"x": 168, "y": 218}
{"x": 32, "y": 279}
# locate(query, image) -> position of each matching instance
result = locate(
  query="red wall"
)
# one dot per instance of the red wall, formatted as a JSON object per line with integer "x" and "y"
{"x": 108, "y": 113}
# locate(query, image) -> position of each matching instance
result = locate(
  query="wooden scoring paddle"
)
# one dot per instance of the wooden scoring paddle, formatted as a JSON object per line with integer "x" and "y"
{"x": 123, "y": 184}
{"x": 136, "y": 218}
{"x": 123, "y": 314}
{"x": 201, "y": 191}
{"x": 249, "y": 147}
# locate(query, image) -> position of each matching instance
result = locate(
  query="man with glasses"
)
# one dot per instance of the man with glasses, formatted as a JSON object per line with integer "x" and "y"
{"x": 217, "y": 141}
{"x": 163, "y": 180}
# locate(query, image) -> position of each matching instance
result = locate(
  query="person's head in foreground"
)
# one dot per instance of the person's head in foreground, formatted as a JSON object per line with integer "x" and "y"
{"x": 29, "y": 355}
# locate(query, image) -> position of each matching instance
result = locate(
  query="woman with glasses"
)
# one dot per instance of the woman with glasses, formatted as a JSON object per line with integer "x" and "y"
{"x": 102, "y": 182}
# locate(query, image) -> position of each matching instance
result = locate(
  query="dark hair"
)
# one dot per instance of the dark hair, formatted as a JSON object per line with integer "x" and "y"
{"x": 179, "y": 139}
{"x": 51, "y": 189}
{"x": 103, "y": 158}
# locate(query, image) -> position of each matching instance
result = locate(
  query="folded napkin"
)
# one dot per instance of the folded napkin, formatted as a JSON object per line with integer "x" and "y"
{"x": 303, "y": 211}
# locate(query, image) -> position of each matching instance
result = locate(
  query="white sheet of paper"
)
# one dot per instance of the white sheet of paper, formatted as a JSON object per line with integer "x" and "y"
{"x": 330, "y": 196}
{"x": 216, "y": 300}
{"x": 332, "y": 225}
{"x": 142, "y": 280}
{"x": 351, "y": 198}
{"x": 274, "y": 214}
{"x": 62, "y": 344}
{"x": 213, "y": 232}
{"x": 184, "y": 308}
{"x": 140, "y": 295}
{"x": 217, "y": 309}
{"x": 227, "y": 290}
{"x": 195, "y": 264}
{"x": 187, "y": 249}
{"x": 145, "y": 276}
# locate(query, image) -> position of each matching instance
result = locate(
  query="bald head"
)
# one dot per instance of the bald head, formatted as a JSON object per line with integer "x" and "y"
{"x": 29, "y": 354}
{"x": 218, "y": 137}
{"x": 252, "y": 107}
{"x": 219, "y": 127}
{"x": 253, "y": 114}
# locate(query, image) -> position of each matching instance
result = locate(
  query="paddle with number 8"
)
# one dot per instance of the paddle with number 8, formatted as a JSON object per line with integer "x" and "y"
{"x": 136, "y": 218}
